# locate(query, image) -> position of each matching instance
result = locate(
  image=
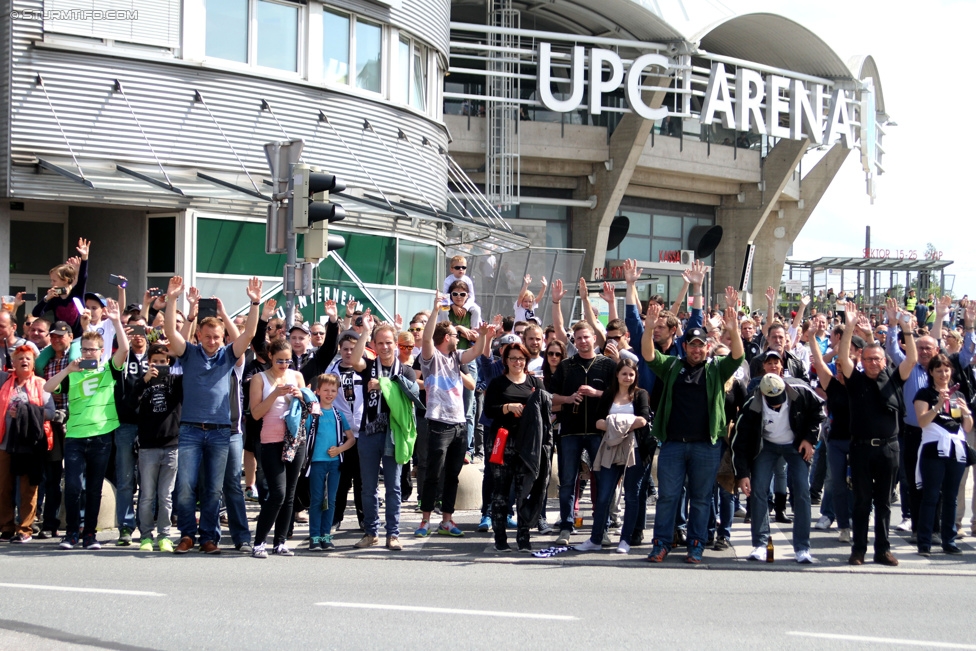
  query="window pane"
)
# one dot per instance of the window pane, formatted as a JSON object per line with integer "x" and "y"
{"x": 335, "y": 49}
{"x": 557, "y": 235}
{"x": 418, "y": 98}
{"x": 227, "y": 29}
{"x": 667, "y": 226}
{"x": 162, "y": 245}
{"x": 638, "y": 248}
{"x": 663, "y": 245}
{"x": 640, "y": 222}
{"x": 35, "y": 247}
{"x": 369, "y": 50}
{"x": 234, "y": 247}
{"x": 277, "y": 36}
{"x": 418, "y": 265}
{"x": 402, "y": 79}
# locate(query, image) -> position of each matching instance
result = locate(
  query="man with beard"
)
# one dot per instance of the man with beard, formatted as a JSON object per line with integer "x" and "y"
{"x": 689, "y": 422}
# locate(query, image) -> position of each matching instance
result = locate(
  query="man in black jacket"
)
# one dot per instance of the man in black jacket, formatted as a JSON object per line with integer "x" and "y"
{"x": 780, "y": 420}
{"x": 577, "y": 385}
{"x": 776, "y": 340}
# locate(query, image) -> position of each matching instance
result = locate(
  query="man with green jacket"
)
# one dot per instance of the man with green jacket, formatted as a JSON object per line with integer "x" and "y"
{"x": 689, "y": 422}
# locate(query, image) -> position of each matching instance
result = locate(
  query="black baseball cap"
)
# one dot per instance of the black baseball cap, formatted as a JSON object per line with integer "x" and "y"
{"x": 696, "y": 333}
{"x": 95, "y": 296}
{"x": 60, "y": 328}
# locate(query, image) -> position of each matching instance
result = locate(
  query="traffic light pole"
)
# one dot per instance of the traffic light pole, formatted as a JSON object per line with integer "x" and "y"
{"x": 291, "y": 246}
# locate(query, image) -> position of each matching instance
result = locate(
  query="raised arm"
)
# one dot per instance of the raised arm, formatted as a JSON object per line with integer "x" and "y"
{"x": 694, "y": 277}
{"x": 484, "y": 336}
{"x": 647, "y": 341}
{"x": 357, "y": 361}
{"x": 823, "y": 371}
{"x": 911, "y": 354}
{"x": 609, "y": 295}
{"x": 254, "y": 287}
{"x": 969, "y": 338}
{"x": 557, "y": 313}
{"x": 589, "y": 316}
{"x": 894, "y": 325}
{"x": 770, "y": 310}
{"x": 113, "y": 313}
{"x": 177, "y": 344}
{"x": 736, "y": 348}
{"x": 427, "y": 347}
{"x": 631, "y": 273}
{"x": 843, "y": 355}
{"x": 232, "y": 332}
{"x": 525, "y": 288}
{"x": 797, "y": 325}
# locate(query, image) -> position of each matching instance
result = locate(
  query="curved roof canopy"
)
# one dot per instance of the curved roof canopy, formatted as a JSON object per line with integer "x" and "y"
{"x": 775, "y": 41}
{"x": 864, "y": 66}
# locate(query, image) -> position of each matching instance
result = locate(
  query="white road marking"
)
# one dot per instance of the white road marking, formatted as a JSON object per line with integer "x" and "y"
{"x": 883, "y": 640}
{"x": 448, "y": 611}
{"x": 60, "y": 588}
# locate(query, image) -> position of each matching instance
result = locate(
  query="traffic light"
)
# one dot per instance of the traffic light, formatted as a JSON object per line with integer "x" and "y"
{"x": 310, "y": 199}
{"x": 318, "y": 241}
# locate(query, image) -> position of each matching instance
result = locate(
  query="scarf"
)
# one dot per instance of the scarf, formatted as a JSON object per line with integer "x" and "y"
{"x": 371, "y": 410}
{"x": 35, "y": 393}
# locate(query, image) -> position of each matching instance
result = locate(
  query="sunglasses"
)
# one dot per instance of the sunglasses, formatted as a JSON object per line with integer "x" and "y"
{"x": 615, "y": 337}
{"x": 461, "y": 294}
{"x": 317, "y": 334}
{"x": 554, "y": 353}
{"x": 404, "y": 346}
{"x": 283, "y": 362}
{"x": 416, "y": 329}
{"x": 460, "y": 268}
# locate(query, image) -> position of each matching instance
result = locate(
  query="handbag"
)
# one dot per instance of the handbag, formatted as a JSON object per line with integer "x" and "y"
{"x": 726, "y": 474}
{"x": 970, "y": 456}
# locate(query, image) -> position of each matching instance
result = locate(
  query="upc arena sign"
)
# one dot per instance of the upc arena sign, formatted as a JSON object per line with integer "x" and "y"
{"x": 776, "y": 106}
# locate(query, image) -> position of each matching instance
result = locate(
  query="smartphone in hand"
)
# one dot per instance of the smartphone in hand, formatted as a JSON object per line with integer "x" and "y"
{"x": 118, "y": 281}
{"x": 88, "y": 364}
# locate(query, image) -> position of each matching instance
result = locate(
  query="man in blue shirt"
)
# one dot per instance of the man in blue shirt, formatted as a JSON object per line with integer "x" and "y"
{"x": 205, "y": 425}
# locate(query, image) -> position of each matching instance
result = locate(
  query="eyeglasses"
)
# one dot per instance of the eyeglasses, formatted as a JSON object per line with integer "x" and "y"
{"x": 283, "y": 362}
{"x": 520, "y": 332}
{"x": 553, "y": 353}
{"x": 416, "y": 329}
{"x": 460, "y": 268}
{"x": 90, "y": 350}
{"x": 516, "y": 359}
{"x": 405, "y": 347}
{"x": 461, "y": 294}
{"x": 451, "y": 334}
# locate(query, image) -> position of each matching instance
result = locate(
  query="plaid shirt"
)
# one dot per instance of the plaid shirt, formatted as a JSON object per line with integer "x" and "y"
{"x": 54, "y": 367}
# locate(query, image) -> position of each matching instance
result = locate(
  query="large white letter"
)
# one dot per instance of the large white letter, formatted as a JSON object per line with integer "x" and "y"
{"x": 748, "y": 97}
{"x": 575, "y": 80}
{"x": 718, "y": 99}
{"x": 804, "y": 121}
{"x": 597, "y": 85}
{"x": 838, "y": 121}
{"x": 776, "y": 105}
{"x": 634, "y": 76}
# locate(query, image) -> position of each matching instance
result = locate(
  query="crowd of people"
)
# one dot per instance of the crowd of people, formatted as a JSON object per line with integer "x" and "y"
{"x": 193, "y": 414}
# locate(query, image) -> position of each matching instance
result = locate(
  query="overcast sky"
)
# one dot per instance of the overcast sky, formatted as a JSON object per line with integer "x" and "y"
{"x": 921, "y": 50}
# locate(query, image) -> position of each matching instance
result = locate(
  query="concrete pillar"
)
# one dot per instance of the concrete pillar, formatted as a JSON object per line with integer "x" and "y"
{"x": 5, "y": 246}
{"x": 742, "y": 220}
{"x": 592, "y": 226}
{"x": 778, "y": 234}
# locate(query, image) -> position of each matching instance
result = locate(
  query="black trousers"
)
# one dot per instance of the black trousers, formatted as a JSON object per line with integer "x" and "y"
{"x": 282, "y": 481}
{"x": 446, "y": 445}
{"x": 349, "y": 477}
{"x": 911, "y": 440}
{"x": 512, "y": 477}
{"x": 874, "y": 470}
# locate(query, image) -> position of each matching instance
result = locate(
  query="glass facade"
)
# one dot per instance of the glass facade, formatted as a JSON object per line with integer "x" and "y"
{"x": 654, "y": 232}
{"x": 369, "y": 56}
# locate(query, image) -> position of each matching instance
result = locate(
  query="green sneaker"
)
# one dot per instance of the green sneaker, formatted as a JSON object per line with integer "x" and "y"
{"x": 125, "y": 538}
{"x": 166, "y": 545}
{"x": 146, "y": 545}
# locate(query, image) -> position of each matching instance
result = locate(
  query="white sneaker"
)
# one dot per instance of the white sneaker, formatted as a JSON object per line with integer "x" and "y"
{"x": 623, "y": 547}
{"x": 260, "y": 551}
{"x": 588, "y": 546}
{"x": 757, "y": 554}
{"x": 905, "y": 525}
{"x": 845, "y": 536}
{"x": 282, "y": 550}
{"x": 804, "y": 557}
{"x": 823, "y": 523}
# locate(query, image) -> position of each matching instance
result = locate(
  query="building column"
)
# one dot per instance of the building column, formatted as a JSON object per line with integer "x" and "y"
{"x": 592, "y": 226}
{"x": 742, "y": 216}
{"x": 778, "y": 234}
{"x": 5, "y": 248}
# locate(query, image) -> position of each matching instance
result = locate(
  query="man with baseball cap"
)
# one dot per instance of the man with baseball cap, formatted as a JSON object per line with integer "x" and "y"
{"x": 781, "y": 420}
{"x": 689, "y": 423}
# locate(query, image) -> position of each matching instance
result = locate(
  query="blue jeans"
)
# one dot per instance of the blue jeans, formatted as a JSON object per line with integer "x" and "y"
{"x": 798, "y": 471}
{"x": 373, "y": 450}
{"x": 470, "y": 406}
{"x": 698, "y": 462}
{"x": 570, "y": 451}
{"x": 233, "y": 493}
{"x": 203, "y": 457}
{"x": 939, "y": 475}
{"x": 85, "y": 463}
{"x": 125, "y": 475}
{"x": 634, "y": 511}
{"x": 323, "y": 482}
{"x": 841, "y": 496}
{"x": 606, "y": 486}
